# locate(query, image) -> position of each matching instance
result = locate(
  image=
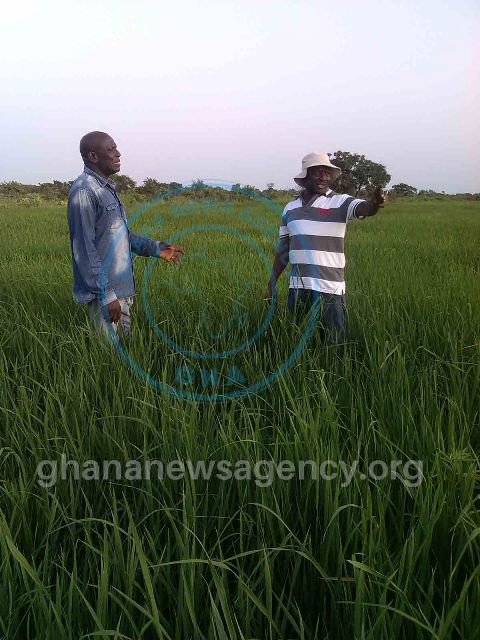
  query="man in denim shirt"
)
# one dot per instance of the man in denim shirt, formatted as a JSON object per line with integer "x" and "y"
{"x": 100, "y": 240}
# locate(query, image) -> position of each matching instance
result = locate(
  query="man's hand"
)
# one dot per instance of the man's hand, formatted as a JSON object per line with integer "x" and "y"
{"x": 378, "y": 197}
{"x": 172, "y": 254}
{"x": 271, "y": 290}
{"x": 114, "y": 310}
{"x": 372, "y": 204}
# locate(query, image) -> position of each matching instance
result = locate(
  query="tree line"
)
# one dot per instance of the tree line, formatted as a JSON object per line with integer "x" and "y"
{"x": 359, "y": 176}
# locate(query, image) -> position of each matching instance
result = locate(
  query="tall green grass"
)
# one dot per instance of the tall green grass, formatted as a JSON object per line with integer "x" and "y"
{"x": 226, "y": 560}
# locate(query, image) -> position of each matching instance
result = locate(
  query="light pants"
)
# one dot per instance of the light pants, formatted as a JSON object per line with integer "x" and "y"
{"x": 100, "y": 319}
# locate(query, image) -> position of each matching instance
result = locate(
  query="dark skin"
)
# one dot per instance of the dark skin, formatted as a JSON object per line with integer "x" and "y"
{"x": 316, "y": 183}
{"x": 318, "y": 180}
{"x": 101, "y": 155}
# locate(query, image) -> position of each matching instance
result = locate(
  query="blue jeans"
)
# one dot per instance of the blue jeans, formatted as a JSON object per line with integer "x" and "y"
{"x": 331, "y": 311}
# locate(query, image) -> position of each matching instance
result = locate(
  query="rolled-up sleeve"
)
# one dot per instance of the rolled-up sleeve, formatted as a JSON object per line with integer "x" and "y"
{"x": 90, "y": 278}
{"x": 283, "y": 230}
{"x": 283, "y": 239}
{"x": 352, "y": 208}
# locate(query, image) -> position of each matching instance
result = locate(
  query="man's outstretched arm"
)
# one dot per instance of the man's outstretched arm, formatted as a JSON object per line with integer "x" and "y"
{"x": 147, "y": 247}
{"x": 371, "y": 205}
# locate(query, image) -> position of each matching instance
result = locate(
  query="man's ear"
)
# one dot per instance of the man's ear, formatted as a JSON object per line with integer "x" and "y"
{"x": 92, "y": 156}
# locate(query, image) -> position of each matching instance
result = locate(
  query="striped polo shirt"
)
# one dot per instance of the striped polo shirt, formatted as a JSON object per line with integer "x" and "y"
{"x": 316, "y": 233}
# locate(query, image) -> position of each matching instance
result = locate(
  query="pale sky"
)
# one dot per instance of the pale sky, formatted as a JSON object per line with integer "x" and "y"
{"x": 240, "y": 91}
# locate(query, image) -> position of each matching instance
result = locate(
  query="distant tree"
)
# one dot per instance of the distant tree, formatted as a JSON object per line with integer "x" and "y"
{"x": 62, "y": 189}
{"x": 246, "y": 190}
{"x": 359, "y": 175}
{"x": 56, "y": 190}
{"x": 47, "y": 190}
{"x": 124, "y": 183}
{"x": 198, "y": 184}
{"x": 151, "y": 188}
{"x": 428, "y": 193}
{"x": 279, "y": 194}
{"x": 270, "y": 186}
{"x": 12, "y": 188}
{"x": 402, "y": 190}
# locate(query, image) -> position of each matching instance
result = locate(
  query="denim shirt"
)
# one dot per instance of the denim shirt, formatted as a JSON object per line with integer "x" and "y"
{"x": 101, "y": 242}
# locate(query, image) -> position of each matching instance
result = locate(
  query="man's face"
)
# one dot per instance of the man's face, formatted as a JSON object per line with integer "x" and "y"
{"x": 106, "y": 157}
{"x": 318, "y": 179}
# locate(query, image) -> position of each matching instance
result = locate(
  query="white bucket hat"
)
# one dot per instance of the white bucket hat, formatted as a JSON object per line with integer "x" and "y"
{"x": 316, "y": 159}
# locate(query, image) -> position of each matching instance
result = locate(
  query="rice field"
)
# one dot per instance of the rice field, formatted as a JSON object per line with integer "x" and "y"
{"x": 213, "y": 372}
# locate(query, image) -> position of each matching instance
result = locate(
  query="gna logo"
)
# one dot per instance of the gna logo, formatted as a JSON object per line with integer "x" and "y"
{"x": 215, "y": 374}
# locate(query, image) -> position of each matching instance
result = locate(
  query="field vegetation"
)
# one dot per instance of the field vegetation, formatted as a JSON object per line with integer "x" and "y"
{"x": 213, "y": 559}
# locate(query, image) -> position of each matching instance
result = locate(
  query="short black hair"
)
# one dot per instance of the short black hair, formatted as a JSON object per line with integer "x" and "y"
{"x": 90, "y": 142}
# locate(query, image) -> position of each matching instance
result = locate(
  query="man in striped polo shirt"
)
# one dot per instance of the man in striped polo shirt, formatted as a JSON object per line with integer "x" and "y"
{"x": 312, "y": 236}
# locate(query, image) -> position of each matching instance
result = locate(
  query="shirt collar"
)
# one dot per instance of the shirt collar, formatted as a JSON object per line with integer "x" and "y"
{"x": 327, "y": 193}
{"x": 103, "y": 182}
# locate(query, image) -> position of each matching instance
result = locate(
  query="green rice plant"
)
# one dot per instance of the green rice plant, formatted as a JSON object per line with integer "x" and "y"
{"x": 242, "y": 559}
